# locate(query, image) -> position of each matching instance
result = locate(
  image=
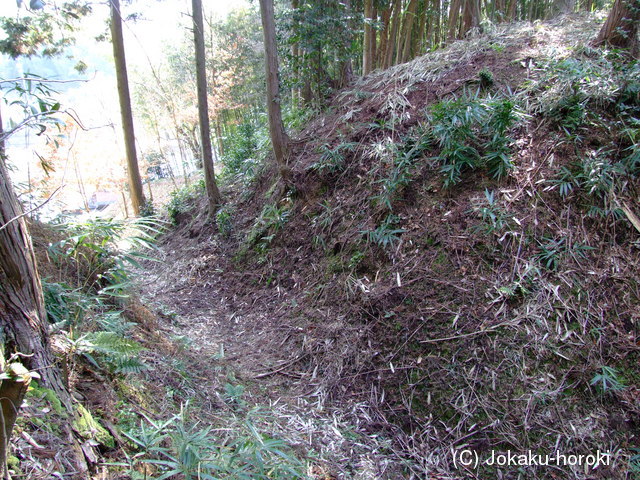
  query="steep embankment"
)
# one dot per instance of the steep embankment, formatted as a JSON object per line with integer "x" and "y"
{"x": 455, "y": 266}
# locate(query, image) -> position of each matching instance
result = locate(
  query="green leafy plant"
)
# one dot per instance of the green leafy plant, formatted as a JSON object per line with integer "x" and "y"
{"x": 472, "y": 133}
{"x": 495, "y": 218}
{"x": 385, "y": 235}
{"x": 66, "y": 307}
{"x": 634, "y": 462}
{"x": 233, "y": 394}
{"x": 120, "y": 354}
{"x": 179, "y": 448}
{"x": 607, "y": 380}
{"x": 268, "y": 224}
{"x": 566, "y": 181}
{"x": 485, "y": 77}
{"x": 552, "y": 251}
{"x": 223, "y": 220}
{"x": 182, "y": 200}
{"x": 404, "y": 161}
{"x": 332, "y": 160}
{"x": 356, "y": 259}
{"x": 103, "y": 251}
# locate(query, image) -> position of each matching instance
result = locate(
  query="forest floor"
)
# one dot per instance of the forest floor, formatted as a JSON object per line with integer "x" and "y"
{"x": 386, "y": 310}
{"x": 381, "y": 320}
{"x": 233, "y": 334}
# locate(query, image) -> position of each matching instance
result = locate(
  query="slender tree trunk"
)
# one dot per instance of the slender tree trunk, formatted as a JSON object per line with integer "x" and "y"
{"x": 454, "y": 15}
{"x": 2, "y": 143}
{"x": 437, "y": 35}
{"x": 408, "y": 30}
{"x": 218, "y": 129}
{"x": 373, "y": 45}
{"x": 367, "y": 60}
{"x": 419, "y": 36}
{"x": 513, "y": 10}
{"x": 385, "y": 18}
{"x": 279, "y": 138}
{"x": 470, "y": 16}
{"x": 396, "y": 16}
{"x": 213, "y": 193}
{"x": 135, "y": 182}
{"x": 346, "y": 70}
{"x": 621, "y": 28}
{"x": 295, "y": 54}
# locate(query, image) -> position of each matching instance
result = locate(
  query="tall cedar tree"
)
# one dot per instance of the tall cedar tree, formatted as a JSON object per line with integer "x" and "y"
{"x": 135, "y": 182}
{"x": 203, "y": 109}
{"x": 23, "y": 326}
{"x": 621, "y": 28}
{"x": 279, "y": 138}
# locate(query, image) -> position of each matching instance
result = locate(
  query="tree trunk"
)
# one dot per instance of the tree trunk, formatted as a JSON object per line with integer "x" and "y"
{"x": 374, "y": 39}
{"x": 367, "y": 60}
{"x": 23, "y": 327}
{"x": 513, "y": 10}
{"x": 621, "y": 28}
{"x": 135, "y": 182}
{"x": 396, "y": 16}
{"x": 407, "y": 32}
{"x": 2, "y": 144}
{"x": 218, "y": 129}
{"x": 346, "y": 70}
{"x": 437, "y": 36}
{"x": 12, "y": 392}
{"x": 279, "y": 138}
{"x": 213, "y": 193}
{"x": 470, "y": 16}
{"x": 295, "y": 56}
{"x": 454, "y": 15}
{"x": 22, "y": 313}
{"x": 385, "y": 18}
{"x": 418, "y": 41}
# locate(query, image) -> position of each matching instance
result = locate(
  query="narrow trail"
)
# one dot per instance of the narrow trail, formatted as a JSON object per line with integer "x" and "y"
{"x": 202, "y": 311}
{"x": 240, "y": 338}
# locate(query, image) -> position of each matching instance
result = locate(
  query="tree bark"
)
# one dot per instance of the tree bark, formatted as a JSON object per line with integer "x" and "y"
{"x": 213, "y": 194}
{"x": 23, "y": 327}
{"x": 22, "y": 313}
{"x": 367, "y": 60}
{"x": 385, "y": 18}
{"x": 437, "y": 35}
{"x": 470, "y": 16}
{"x": 295, "y": 55}
{"x": 407, "y": 31}
{"x": 513, "y": 10}
{"x": 135, "y": 182}
{"x": 621, "y": 28}
{"x": 279, "y": 138}
{"x": 346, "y": 70}
{"x": 12, "y": 392}
{"x": 454, "y": 15}
{"x": 396, "y": 16}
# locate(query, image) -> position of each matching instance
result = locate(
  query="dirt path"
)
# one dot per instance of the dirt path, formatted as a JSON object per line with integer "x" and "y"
{"x": 233, "y": 333}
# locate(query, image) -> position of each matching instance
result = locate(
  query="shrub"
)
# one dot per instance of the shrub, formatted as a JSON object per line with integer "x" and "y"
{"x": 182, "y": 199}
{"x": 472, "y": 133}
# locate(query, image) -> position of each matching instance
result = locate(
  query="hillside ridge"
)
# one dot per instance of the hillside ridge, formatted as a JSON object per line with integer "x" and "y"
{"x": 452, "y": 268}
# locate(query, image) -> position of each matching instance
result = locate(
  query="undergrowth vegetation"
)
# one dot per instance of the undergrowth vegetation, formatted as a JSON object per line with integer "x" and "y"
{"x": 180, "y": 448}
{"x": 455, "y": 261}
{"x": 472, "y": 133}
{"x": 94, "y": 262}
{"x": 477, "y": 250}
